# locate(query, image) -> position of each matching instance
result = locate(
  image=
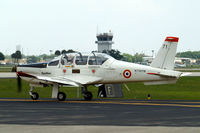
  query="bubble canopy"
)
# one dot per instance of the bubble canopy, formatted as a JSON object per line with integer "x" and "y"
{"x": 78, "y": 58}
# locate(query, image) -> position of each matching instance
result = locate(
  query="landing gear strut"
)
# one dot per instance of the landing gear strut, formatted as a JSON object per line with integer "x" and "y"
{"x": 86, "y": 94}
{"x": 61, "y": 96}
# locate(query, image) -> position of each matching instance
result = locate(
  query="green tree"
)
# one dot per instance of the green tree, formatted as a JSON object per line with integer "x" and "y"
{"x": 32, "y": 59}
{"x": 114, "y": 53}
{"x": 63, "y": 51}
{"x": 189, "y": 54}
{"x": 138, "y": 58}
{"x": 57, "y": 52}
{"x": 13, "y": 56}
{"x": 70, "y": 51}
{"x": 46, "y": 57}
{"x": 127, "y": 57}
{"x": 2, "y": 57}
{"x": 18, "y": 55}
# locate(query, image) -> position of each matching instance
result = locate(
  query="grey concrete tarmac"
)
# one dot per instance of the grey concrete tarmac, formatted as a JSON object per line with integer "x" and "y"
{"x": 99, "y": 116}
{"x": 94, "y": 129}
{"x": 7, "y": 75}
{"x": 104, "y": 113}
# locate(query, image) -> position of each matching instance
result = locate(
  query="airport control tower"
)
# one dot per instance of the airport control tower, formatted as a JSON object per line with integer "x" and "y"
{"x": 104, "y": 41}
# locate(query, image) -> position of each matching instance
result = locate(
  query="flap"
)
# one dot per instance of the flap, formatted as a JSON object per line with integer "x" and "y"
{"x": 83, "y": 79}
{"x": 57, "y": 80}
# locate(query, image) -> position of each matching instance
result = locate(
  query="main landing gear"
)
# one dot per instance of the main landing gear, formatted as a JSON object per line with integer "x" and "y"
{"x": 86, "y": 94}
{"x": 61, "y": 96}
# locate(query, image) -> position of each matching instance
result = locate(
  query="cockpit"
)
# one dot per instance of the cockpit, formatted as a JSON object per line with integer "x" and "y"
{"x": 78, "y": 58}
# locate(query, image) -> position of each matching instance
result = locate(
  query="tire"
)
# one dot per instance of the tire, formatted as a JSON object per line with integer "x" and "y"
{"x": 88, "y": 96}
{"x": 35, "y": 96}
{"x": 61, "y": 96}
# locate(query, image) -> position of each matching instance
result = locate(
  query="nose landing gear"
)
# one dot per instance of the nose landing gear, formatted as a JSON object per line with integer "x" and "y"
{"x": 34, "y": 96}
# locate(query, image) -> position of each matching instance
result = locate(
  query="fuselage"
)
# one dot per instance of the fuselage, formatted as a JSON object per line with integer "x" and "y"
{"x": 107, "y": 68}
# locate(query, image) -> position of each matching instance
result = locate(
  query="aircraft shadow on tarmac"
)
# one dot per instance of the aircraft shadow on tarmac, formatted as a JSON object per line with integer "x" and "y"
{"x": 104, "y": 112}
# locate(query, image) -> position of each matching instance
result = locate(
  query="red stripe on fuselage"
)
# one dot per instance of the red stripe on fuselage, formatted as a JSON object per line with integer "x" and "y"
{"x": 152, "y": 73}
{"x": 25, "y": 75}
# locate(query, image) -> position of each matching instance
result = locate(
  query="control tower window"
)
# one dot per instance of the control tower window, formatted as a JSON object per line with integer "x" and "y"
{"x": 53, "y": 63}
{"x": 105, "y": 38}
{"x": 81, "y": 60}
{"x": 99, "y": 38}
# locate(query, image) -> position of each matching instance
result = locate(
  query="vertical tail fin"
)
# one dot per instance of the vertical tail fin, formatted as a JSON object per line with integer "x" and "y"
{"x": 166, "y": 55}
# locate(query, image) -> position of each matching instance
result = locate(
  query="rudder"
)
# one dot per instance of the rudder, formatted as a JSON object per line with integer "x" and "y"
{"x": 166, "y": 54}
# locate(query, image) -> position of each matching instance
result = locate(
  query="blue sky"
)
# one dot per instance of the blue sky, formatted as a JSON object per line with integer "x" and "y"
{"x": 138, "y": 25}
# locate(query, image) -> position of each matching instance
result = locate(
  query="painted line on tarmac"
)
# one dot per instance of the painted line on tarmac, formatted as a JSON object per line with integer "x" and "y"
{"x": 26, "y": 100}
{"x": 147, "y": 103}
{"x": 136, "y": 103}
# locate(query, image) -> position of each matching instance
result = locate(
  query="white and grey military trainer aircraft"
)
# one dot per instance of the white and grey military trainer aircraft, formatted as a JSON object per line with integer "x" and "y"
{"x": 81, "y": 70}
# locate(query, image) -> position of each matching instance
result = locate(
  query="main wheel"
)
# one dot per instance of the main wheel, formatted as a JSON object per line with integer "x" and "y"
{"x": 61, "y": 96}
{"x": 87, "y": 95}
{"x": 35, "y": 95}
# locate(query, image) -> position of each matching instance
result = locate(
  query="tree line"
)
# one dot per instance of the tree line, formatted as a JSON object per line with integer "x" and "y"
{"x": 114, "y": 53}
{"x": 189, "y": 54}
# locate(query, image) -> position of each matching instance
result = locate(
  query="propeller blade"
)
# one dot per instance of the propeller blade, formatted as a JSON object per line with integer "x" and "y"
{"x": 14, "y": 69}
{"x": 19, "y": 84}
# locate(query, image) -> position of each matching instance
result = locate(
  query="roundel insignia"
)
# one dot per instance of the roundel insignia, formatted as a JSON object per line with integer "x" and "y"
{"x": 127, "y": 73}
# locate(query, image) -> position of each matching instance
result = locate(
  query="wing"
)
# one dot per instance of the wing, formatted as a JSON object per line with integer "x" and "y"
{"x": 72, "y": 80}
{"x": 83, "y": 79}
{"x": 58, "y": 80}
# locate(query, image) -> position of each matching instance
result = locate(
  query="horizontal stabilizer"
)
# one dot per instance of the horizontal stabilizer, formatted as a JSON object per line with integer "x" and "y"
{"x": 170, "y": 74}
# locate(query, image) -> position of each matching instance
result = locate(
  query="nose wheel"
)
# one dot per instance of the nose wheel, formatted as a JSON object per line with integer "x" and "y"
{"x": 34, "y": 95}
